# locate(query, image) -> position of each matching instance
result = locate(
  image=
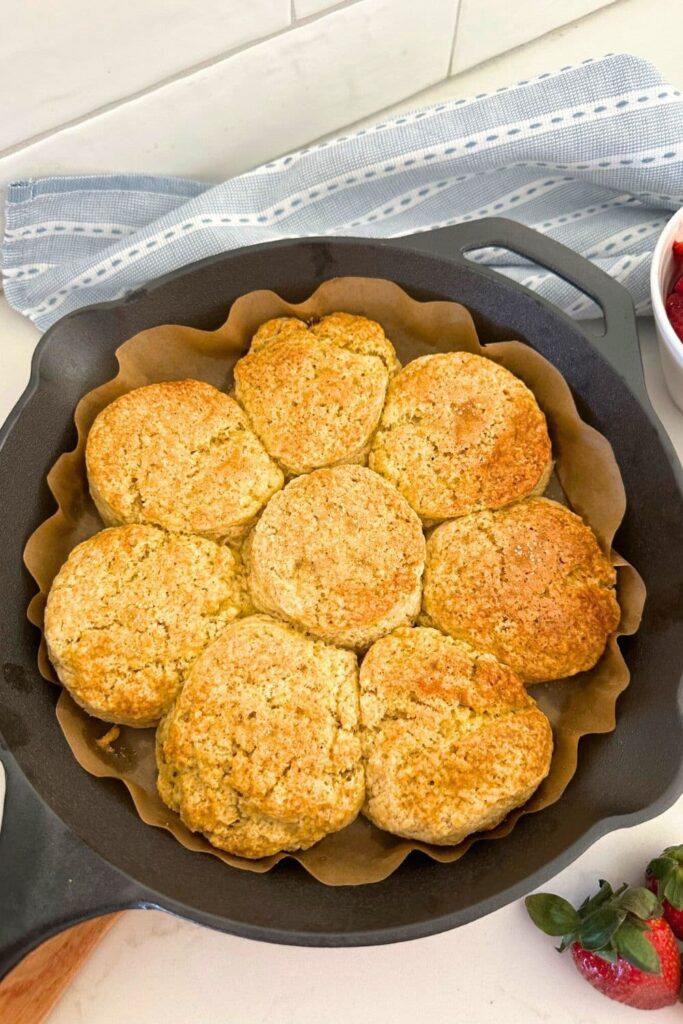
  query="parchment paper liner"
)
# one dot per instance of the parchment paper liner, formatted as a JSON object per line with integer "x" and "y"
{"x": 586, "y": 472}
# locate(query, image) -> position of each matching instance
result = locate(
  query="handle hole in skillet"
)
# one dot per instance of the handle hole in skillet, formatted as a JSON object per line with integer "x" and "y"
{"x": 524, "y": 271}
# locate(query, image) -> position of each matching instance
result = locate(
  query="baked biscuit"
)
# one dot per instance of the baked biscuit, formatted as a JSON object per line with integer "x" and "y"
{"x": 179, "y": 454}
{"x": 315, "y": 395}
{"x": 280, "y": 328}
{"x": 451, "y": 740}
{"x": 357, "y": 334}
{"x": 339, "y": 553}
{"x": 261, "y": 750}
{"x": 528, "y": 583}
{"x": 460, "y": 433}
{"x": 130, "y": 610}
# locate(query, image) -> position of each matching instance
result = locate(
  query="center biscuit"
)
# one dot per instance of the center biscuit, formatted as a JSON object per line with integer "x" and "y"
{"x": 339, "y": 553}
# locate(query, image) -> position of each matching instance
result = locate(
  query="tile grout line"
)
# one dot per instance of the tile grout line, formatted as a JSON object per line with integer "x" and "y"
{"x": 449, "y": 66}
{"x": 177, "y": 77}
{"x": 588, "y": 16}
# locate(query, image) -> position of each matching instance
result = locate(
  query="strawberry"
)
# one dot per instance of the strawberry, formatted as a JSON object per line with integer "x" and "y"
{"x": 628, "y": 984}
{"x": 620, "y": 943}
{"x": 664, "y": 875}
{"x": 674, "y": 311}
{"x": 678, "y": 287}
{"x": 678, "y": 250}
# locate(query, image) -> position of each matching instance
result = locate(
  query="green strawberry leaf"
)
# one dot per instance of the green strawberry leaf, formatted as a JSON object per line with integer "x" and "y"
{"x": 641, "y": 902}
{"x": 634, "y": 945}
{"x": 610, "y": 956}
{"x": 660, "y": 867}
{"x": 673, "y": 888}
{"x": 552, "y": 914}
{"x": 597, "y": 929}
{"x": 591, "y": 903}
{"x": 675, "y": 852}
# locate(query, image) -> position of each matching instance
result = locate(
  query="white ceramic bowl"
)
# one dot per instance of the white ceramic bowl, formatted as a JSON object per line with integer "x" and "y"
{"x": 670, "y": 345}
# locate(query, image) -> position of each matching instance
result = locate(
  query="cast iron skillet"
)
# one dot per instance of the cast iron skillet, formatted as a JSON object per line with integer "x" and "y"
{"x": 72, "y": 845}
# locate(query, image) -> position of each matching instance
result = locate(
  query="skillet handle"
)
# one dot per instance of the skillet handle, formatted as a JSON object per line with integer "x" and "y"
{"x": 619, "y": 344}
{"x": 49, "y": 878}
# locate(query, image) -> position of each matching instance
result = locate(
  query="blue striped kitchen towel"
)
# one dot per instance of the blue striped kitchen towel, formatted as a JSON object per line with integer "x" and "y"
{"x": 591, "y": 155}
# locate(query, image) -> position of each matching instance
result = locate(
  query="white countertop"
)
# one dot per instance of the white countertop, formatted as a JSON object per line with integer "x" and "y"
{"x": 152, "y": 968}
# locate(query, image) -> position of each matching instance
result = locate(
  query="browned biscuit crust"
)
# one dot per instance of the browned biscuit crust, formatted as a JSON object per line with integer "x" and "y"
{"x": 261, "y": 750}
{"x": 451, "y": 740}
{"x": 179, "y": 454}
{"x": 528, "y": 583}
{"x": 339, "y": 553}
{"x": 315, "y": 394}
{"x": 130, "y": 610}
{"x": 460, "y": 433}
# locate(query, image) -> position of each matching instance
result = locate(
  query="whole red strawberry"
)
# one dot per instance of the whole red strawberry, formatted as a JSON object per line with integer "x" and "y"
{"x": 664, "y": 876}
{"x": 622, "y": 981}
{"x": 620, "y": 943}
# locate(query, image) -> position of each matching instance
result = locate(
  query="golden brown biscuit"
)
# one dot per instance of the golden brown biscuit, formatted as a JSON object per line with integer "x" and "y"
{"x": 315, "y": 395}
{"x": 357, "y": 334}
{"x": 340, "y": 553}
{"x": 261, "y": 750}
{"x": 130, "y": 610}
{"x": 280, "y": 328}
{"x": 451, "y": 740}
{"x": 179, "y": 454}
{"x": 528, "y": 583}
{"x": 460, "y": 433}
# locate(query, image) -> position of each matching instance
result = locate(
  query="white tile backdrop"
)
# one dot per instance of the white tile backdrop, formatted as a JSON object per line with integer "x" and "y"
{"x": 304, "y": 8}
{"x": 60, "y": 61}
{"x": 489, "y": 27}
{"x": 209, "y": 88}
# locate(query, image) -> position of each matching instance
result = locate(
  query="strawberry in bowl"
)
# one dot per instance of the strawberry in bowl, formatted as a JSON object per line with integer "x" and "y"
{"x": 674, "y": 300}
{"x": 666, "y": 272}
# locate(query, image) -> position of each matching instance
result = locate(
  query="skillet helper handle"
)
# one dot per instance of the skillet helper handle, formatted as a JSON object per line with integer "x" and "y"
{"x": 49, "y": 878}
{"x": 619, "y": 344}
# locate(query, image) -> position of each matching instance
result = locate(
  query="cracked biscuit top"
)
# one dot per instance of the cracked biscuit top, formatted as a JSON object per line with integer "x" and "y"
{"x": 261, "y": 751}
{"x": 339, "y": 553}
{"x": 179, "y": 454}
{"x": 451, "y": 740}
{"x": 460, "y": 433}
{"x": 130, "y": 610}
{"x": 315, "y": 394}
{"x": 528, "y": 583}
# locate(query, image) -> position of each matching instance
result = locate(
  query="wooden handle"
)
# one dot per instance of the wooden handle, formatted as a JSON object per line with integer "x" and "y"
{"x": 30, "y": 991}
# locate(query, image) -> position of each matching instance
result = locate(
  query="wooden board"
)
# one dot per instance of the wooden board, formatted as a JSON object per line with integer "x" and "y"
{"x": 30, "y": 991}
